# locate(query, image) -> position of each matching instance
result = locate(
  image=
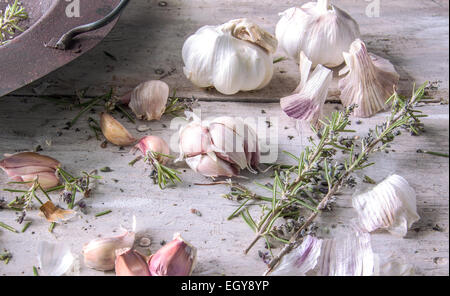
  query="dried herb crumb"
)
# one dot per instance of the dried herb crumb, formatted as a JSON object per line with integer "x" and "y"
{"x": 106, "y": 170}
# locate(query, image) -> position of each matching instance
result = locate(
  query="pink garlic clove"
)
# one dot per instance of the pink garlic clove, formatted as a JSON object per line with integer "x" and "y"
{"x": 131, "y": 263}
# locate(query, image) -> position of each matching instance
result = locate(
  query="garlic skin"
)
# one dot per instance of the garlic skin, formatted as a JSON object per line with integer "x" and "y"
{"x": 148, "y": 100}
{"x": 370, "y": 81}
{"x": 100, "y": 253}
{"x": 153, "y": 144}
{"x": 310, "y": 96}
{"x": 26, "y": 166}
{"x": 233, "y": 57}
{"x": 131, "y": 263}
{"x": 55, "y": 214}
{"x": 115, "y": 132}
{"x": 55, "y": 259}
{"x": 177, "y": 258}
{"x": 319, "y": 29}
{"x": 390, "y": 205}
{"x": 220, "y": 147}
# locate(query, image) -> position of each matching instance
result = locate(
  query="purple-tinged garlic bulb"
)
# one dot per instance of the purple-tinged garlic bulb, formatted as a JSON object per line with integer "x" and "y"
{"x": 220, "y": 147}
{"x": 148, "y": 100}
{"x": 177, "y": 258}
{"x": 370, "y": 81}
{"x": 309, "y": 97}
{"x": 390, "y": 205}
{"x": 27, "y": 166}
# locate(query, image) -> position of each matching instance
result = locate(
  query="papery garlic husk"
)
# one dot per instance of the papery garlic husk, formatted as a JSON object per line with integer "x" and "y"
{"x": 321, "y": 30}
{"x": 390, "y": 205}
{"x": 177, "y": 258}
{"x": 26, "y": 166}
{"x": 54, "y": 259}
{"x": 130, "y": 262}
{"x": 220, "y": 147}
{"x": 370, "y": 81}
{"x": 149, "y": 99}
{"x": 55, "y": 214}
{"x": 114, "y": 131}
{"x": 100, "y": 253}
{"x": 349, "y": 255}
{"x": 153, "y": 144}
{"x": 307, "y": 102}
{"x": 233, "y": 57}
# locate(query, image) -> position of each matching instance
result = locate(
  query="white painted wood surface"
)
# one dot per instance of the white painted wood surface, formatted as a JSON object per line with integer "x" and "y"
{"x": 412, "y": 34}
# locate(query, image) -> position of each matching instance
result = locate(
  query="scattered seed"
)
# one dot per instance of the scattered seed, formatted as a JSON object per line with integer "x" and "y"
{"x": 143, "y": 128}
{"x": 104, "y": 144}
{"x": 196, "y": 212}
{"x": 159, "y": 71}
{"x": 162, "y": 3}
{"x": 106, "y": 170}
{"x": 145, "y": 242}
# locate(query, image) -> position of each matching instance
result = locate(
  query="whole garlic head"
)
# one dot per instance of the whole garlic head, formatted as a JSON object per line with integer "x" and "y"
{"x": 233, "y": 57}
{"x": 370, "y": 80}
{"x": 321, "y": 30}
{"x": 148, "y": 100}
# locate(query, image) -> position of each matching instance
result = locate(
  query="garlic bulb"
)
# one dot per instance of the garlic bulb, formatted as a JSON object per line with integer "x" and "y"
{"x": 390, "y": 205}
{"x": 307, "y": 103}
{"x": 177, "y": 258}
{"x": 26, "y": 166}
{"x": 148, "y": 100}
{"x": 220, "y": 147}
{"x": 153, "y": 144}
{"x": 350, "y": 255}
{"x": 115, "y": 132}
{"x": 370, "y": 80}
{"x": 233, "y": 57}
{"x": 54, "y": 259}
{"x": 100, "y": 253}
{"x": 131, "y": 263}
{"x": 321, "y": 30}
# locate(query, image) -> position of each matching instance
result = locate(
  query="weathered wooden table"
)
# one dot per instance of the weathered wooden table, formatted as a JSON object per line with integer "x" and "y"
{"x": 146, "y": 45}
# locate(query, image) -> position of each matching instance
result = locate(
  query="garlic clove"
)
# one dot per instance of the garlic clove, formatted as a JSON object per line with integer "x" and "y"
{"x": 149, "y": 99}
{"x": 323, "y": 31}
{"x": 54, "y": 259}
{"x": 54, "y": 214}
{"x": 308, "y": 103}
{"x": 194, "y": 140}
{"x": 130, "y": 263}
{"x": 153, "y": 144}
{"x": 390, "y": 205}
{"x": 177, "y": 258}
{"x": 115, "y": 132}
{"x": 100, "y": 253}
{"x": 369, "y": 83}
{"x": 209, "y": 167}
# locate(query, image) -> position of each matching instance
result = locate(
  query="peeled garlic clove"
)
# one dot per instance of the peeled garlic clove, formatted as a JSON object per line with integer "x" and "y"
{"x": 176, "y": 258}
{"x": 321, "y": 30}
{"x": 233, "y": 57}
{"x": 131, "y": 263}
{"x": 153, "y": 144}
{"x": 100, "y": 253}
{"x": 148, "y": 100}
{"x": 207, "y": 166}
{"x": 54, "y": 214}
{"x": 115, "y": 132}
{"x": 370, "y": 82}
{"x": 308, "y": 103}
{"x": 54, "y": 259}
{"x": 26, "y": 166}
{"x": 390, "y": 205}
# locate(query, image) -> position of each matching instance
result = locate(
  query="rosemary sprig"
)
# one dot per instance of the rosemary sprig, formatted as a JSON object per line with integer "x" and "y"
{"x": 175, "y": 105}
{"x": 103, "y": 213}
{"x": 9, "y": 21}
{"x": 161, "y": 174}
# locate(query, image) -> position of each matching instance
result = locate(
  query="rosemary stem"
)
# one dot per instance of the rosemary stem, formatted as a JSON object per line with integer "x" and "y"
{"x": 7, "y": 227}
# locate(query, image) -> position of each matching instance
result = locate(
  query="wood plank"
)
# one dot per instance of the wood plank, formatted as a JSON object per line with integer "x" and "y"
{"x": 149, "y": 38}
{"x": 26, "y": 123}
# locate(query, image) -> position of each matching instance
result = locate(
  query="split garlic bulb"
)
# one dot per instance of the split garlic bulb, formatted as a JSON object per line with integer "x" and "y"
{"x": 370, "y": 80}
{"x": 390, "y": 205}
{"x": 233, "y": 57}
{"x": 321, "y": 30}
{"x": 148, "y": 100}
{"x": 309, "y": 97}
{"x": 220, "y": 147}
